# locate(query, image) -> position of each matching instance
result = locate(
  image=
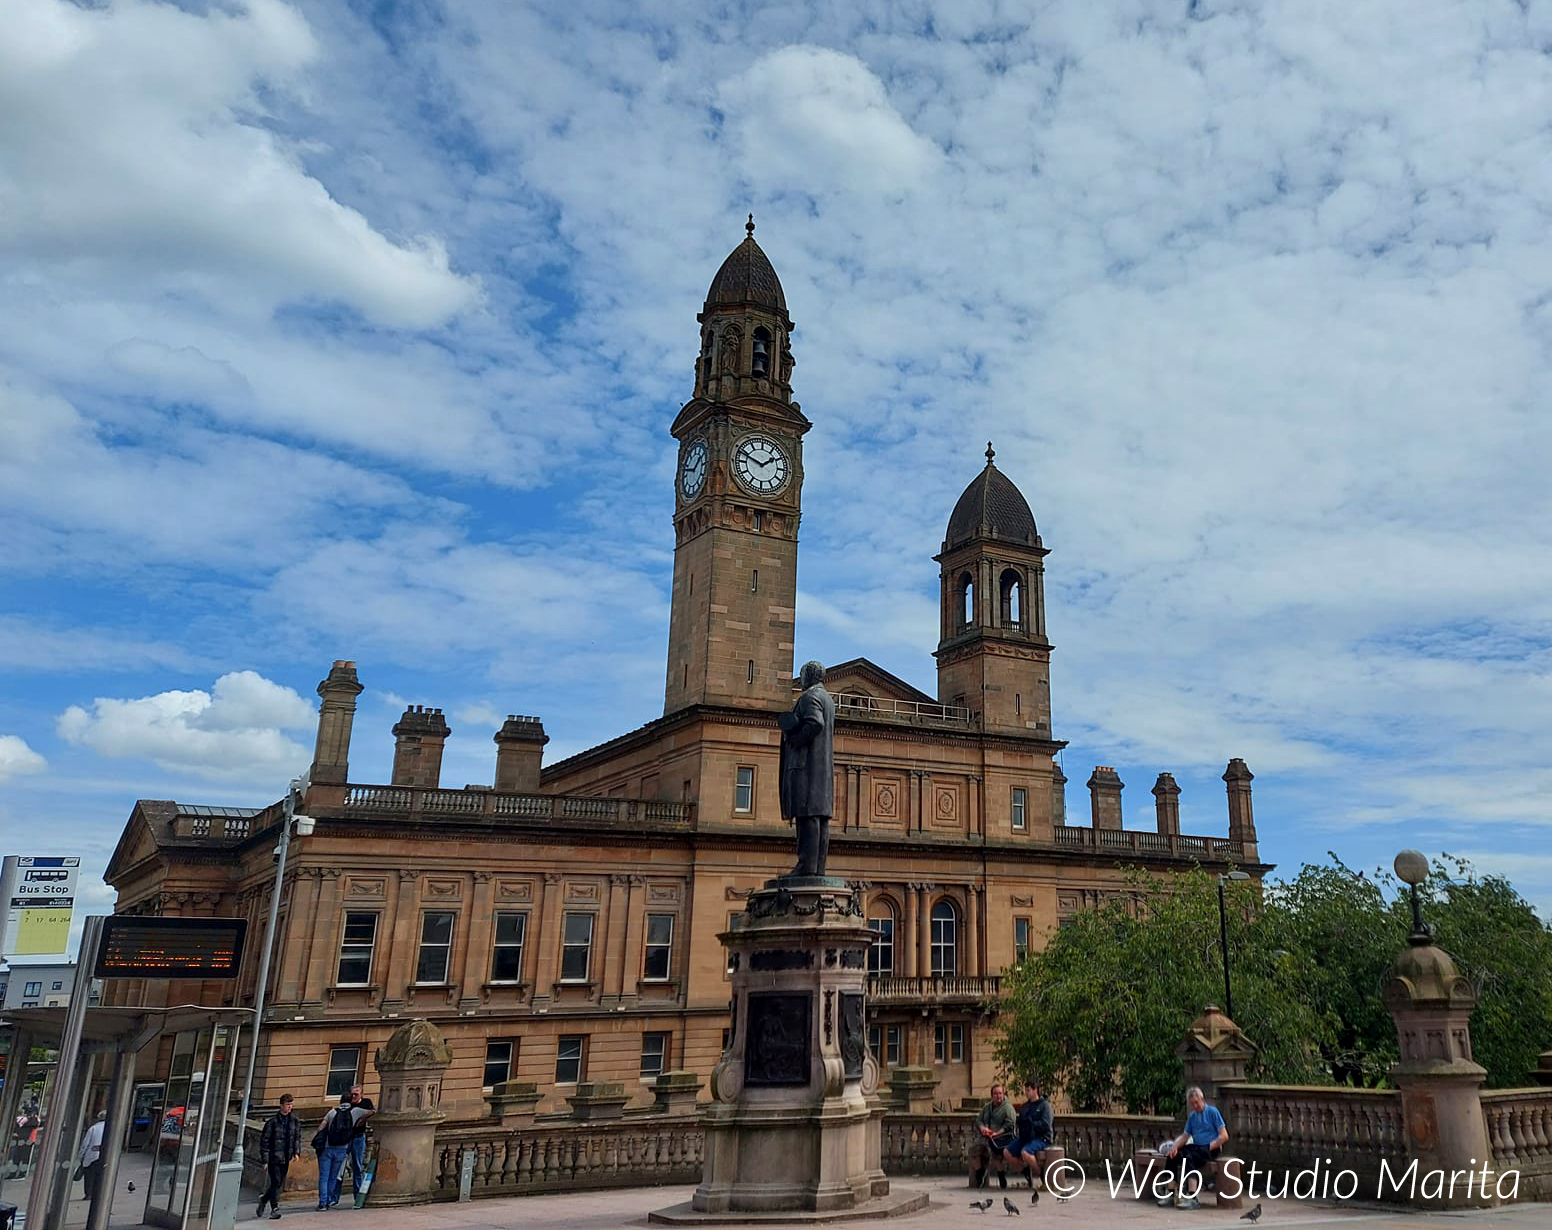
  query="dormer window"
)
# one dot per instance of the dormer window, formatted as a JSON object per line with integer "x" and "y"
{"x": 762, "y": 352}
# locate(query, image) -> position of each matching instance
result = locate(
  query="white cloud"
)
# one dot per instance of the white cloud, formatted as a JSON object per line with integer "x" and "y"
{"x": 236, "y": 730}
{"x": 136, "y": 147}
{"x": 17, "y": 758}
{"x": 815, "y": 120}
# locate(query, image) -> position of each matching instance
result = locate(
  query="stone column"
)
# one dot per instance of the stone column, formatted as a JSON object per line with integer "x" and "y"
{"x": 905, "y": 941}
{"x": 1440, "y": 1083}
{"x": 478, "y": 936}
{"x": 410, "y": 1068}
{"x": 924, "y": 929}
{"x": 972, "y": 949}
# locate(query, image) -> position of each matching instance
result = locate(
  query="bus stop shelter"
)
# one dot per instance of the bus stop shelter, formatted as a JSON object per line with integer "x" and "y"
{"x": 182, "y": 1193}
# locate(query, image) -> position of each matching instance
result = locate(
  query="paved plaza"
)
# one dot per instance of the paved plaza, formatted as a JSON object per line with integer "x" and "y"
{"x": 950, "y": 1207}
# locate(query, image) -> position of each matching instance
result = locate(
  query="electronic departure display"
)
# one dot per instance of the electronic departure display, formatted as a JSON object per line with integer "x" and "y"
{"x": 134, "y": 947}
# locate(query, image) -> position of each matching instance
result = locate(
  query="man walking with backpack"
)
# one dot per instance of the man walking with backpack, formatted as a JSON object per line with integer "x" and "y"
{"x": 358, "y": 1144}
{"x": 280, "y": 1141}
{"x": 333, "y": 1142}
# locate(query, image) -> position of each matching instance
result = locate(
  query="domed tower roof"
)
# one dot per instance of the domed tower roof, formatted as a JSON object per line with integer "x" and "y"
{"x": 746, "y": 278}
{"x": 991, "y": 507}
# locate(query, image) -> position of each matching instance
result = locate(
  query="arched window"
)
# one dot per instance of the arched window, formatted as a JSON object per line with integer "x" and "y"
{"x": 881, "y": 954}
{"x": 762, "y": 352}
{"x": 966, "y": 600}
{"x": 945, "y": 939}
{"x": 1012, "y": 600}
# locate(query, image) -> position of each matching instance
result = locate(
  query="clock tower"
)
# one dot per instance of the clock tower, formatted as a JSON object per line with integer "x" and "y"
{"x": 737, "y": 498}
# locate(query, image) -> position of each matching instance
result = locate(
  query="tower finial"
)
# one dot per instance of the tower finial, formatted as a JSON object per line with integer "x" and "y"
{"x": 749, "y": 227}
{"x": 990, "y": 452}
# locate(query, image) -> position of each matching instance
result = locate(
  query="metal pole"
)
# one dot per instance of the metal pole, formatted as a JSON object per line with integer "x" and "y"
{"x": 288, "y": 810}
{"x": 113, "y": 1139}
{"x": 49, "y": 1150}
{"x": 11, "y": 1094}
{"x": 1223, "y": 944}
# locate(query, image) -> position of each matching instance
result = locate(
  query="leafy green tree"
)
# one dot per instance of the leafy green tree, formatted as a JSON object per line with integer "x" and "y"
{"x": 1102, "y": 1007}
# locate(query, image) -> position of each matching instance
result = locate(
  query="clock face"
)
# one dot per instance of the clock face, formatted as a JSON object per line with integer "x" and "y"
{"x": 692, "y": 472}
{"x": 760, "y": 464}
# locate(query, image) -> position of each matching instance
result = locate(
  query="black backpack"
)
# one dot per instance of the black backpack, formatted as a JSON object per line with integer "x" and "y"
{"x": 341, "y": 1126}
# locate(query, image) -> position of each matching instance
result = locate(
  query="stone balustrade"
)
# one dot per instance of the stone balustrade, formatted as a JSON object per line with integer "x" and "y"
{"x": 413, "y": 802}
{"x": 1293, "y": 1125}
{"x": 570, "y": 1156}
{"x": 1519, "y": 1128}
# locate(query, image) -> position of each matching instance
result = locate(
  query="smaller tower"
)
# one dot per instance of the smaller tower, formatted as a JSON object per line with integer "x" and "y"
{"x": 336, "y": 716}
{"x": 993, "y": 655}
{"x": 419, "y": 737}
{"x": 1166, "y": 804}
{"x": 519, "y": 754}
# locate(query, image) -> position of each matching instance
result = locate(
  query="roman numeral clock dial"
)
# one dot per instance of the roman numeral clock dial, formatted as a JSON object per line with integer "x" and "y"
{"x": 760, "y": 464}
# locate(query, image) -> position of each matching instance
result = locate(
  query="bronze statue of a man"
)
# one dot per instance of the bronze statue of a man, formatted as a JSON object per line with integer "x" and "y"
{"x": 808, "y": 770}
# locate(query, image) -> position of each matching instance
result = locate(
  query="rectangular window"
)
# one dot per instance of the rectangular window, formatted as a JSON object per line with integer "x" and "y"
{"x": 751, "y": 670}
{"x": 355, "y": 962}
{"x": 891, "y": 1044}
{"x": 436, "y": 946}
{"x": 500, "y": 1053}
{"x": 506, "y": 961}
{"x": 654, "y": 1054}
{"x": 1020, "y": 938}
{"x": 1020, "y": 799}
{"x": 568, "y": 1059}
{"x": 743, "y": 789}
{"x": 956, "y": 1044}
{"x": 881, "y": 954}
{"x": 344, "y": 1063}
{"x": 660, "y": 945}
{"x": 32, "y": 988}
{"x": 576, "y": 949}
{"x": 754, "y": 580}
{"x": 876, "y": 1042}
{"x": 940, "y": 1043}
{"x": 59, "y": 986}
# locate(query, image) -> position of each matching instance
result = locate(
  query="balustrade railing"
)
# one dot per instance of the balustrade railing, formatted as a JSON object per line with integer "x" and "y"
{"x": 1519, "y": 1129}
{"x": 1136, "y": 841}
{"x": 1292, "y": 1125}
{"x": 856, "y": 705}
{"x": 572, "y": 1157}
{"x": 618, "y": 813}
{"x": 884, "y": 989}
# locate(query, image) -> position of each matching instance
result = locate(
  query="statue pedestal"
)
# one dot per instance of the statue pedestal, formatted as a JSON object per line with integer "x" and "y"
{"x": 794, "y": 1129}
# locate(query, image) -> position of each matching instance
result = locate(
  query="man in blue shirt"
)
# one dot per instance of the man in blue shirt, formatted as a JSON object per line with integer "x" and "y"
{"x": 1195, "y": 1148}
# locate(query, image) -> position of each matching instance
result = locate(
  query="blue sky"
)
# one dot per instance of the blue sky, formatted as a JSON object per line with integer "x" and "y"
{"x": 355, "y": 330}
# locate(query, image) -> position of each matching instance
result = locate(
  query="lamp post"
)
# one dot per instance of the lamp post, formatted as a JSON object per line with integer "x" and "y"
{"x": 1223, "y": 939}
{"x": 304, "y": 827}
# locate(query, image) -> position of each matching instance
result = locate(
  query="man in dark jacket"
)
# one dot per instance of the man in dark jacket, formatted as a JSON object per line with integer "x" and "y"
{"x": 1034, "y": 1131}
{"x": 808, "y": 770}
{"x": 280, "y": 1141}
{"x": 358, "y": 1101}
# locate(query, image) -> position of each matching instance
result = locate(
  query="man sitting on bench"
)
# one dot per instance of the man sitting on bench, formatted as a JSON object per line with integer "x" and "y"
{"x": 1034, "y": 1131}
{"x": 998, "y": 1131}
{"x": 1195, "y": 1149}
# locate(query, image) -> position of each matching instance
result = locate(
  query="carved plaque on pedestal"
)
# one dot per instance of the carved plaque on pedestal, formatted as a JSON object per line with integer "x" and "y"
{"x": 853, "y": 1039}
{"x": 777, "y": 1039}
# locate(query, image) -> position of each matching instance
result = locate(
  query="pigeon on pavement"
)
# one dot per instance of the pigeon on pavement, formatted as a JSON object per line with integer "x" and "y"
{"x": 1252, "y": 1215}
{"x": 981, "y": 1206}
{"x": 1034, "y": 1196}
{"x": 1011, "y": 1207}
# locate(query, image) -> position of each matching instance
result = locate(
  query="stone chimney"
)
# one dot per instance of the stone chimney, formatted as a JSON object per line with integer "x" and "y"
{"x": 519, "y": 751}
{"x": 1105, "y": 797}
{"x": 1242, "y": 824}
{"x": 1166, "y": 804}
{"x": 419, "y": 737}
{"x": 336, "y": 715}
{"x": 1058, "y": 795}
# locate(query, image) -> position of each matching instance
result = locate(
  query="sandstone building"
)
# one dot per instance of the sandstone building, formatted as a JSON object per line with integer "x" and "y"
{"x": 562, "y": 925}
